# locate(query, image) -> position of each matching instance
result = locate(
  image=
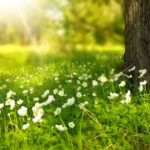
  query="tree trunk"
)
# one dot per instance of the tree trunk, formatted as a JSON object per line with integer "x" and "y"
{"x": 137, "y": 38}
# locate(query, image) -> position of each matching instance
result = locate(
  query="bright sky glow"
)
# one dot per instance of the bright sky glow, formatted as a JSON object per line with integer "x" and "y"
{"x": 9, "y": 4}
{"x": 20, "y": 6}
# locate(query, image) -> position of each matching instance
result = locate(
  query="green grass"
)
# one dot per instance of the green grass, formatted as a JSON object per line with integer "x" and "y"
{"x": 102, "y": 124}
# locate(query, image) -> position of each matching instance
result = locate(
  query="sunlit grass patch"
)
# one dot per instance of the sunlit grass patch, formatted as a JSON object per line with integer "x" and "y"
{"x": 76, "y": 100}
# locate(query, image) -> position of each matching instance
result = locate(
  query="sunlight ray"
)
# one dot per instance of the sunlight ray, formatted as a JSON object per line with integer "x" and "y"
{"x": 24, "y": 21}
{"x": 33, "y": 5}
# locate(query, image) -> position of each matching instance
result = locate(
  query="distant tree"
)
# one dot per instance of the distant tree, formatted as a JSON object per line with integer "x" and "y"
{"x": 137, "y": 38}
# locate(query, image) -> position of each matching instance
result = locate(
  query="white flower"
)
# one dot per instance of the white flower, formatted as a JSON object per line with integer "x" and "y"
{"x": 49, "y": 100}
{"x": 23, "y": 111}
{"x": 25, "y": 92}
{"x": 128, "y": 76}
{"x": 81, "y": 105}
{"x": 113, "y": 95}
{"x": 69, "y": 81}
{"x": 61, "y": 93}
{"x": 142, "y": 72}
{"x": 80, "y": 78}
{"x": 31, "y": 90}
{"x": 71, "y": 101}
{"x": 128, "y": 98}
{"x": 132, "y": 69}
{"x": 36, "y": 99}
{"x": 45, "y": 93}
{"x": 40, "y": 112}
{"x": 94, "y": 83}
{"x": 79, "y": 88}
{"x": 94, "y": 94}
{"x": 56, "y": 78}
{"x": 36, "y": 119}
{"x": 25, "y": 126}
{"x": 71, "y": 124}
{"x": 36, "y": 107}
{"x": 84, "y": 84}
{"x": 122, "y": 84}
{"x": 79, "y": 94}
{"x": 55, "y": 91}
{"x": 61, "y": 127}
{"x": 11, "y": 103}
{"x": 143, "y": 83}
{"x": 117, "y": 76}
{"x": 123, "y": 101}
{"x": 21, "y": 86}
{"x": 1, "y": 105}
{"x": 103, "y": 79}
{"x": 141, "y": 88}
{"x": 57, "y": 111}
{"x": 10, "y": 94}
{"x": 20, "y": 101}
{"x": 112, "y": 71}
{"x": 64, "y": 105}
{"x": 96, "y": 102}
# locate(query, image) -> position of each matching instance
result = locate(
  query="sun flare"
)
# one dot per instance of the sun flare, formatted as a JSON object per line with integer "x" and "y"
{"x": 9, "y": 4}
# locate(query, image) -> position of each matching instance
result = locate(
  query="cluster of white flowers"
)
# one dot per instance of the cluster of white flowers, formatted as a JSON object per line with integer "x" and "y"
{"x": 20, "y": 101}
{"x": 142, "y": 84}
{"x": 45, "y": 98}
{"x": 49, "y": 100}
{"x": 23, "y": 111}
{"x": 70, "y": 102}
{"x": 128, "y": 98}
{"x": 10, "y": 94}
{"x": 31, "y": 90}
{"x": 142, "y": 72}
{"x": 132, "y": 69}
{"x": 113, "y": 95}
{"x": 10, "y": 102}
{"x": 82, "y": 105}
{"x": 45, "y": 94}
{"x": 60, "y": 127}
{"x": 63, "y": 128}
{"x": 38, "y": 112}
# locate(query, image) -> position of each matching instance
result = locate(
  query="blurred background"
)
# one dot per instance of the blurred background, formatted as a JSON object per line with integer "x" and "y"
{"x": 31, "y": 29}
{"x": 62, "y": 24}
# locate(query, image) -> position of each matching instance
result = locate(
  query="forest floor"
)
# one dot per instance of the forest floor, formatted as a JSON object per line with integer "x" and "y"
{"x": 72, "y": 101}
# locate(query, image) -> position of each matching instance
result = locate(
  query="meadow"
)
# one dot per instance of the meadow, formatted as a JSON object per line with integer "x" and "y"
{"x": 79, "y": 100}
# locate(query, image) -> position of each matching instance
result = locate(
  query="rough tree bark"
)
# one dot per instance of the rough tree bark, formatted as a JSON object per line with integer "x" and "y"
{"x": 137, "y": 38}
